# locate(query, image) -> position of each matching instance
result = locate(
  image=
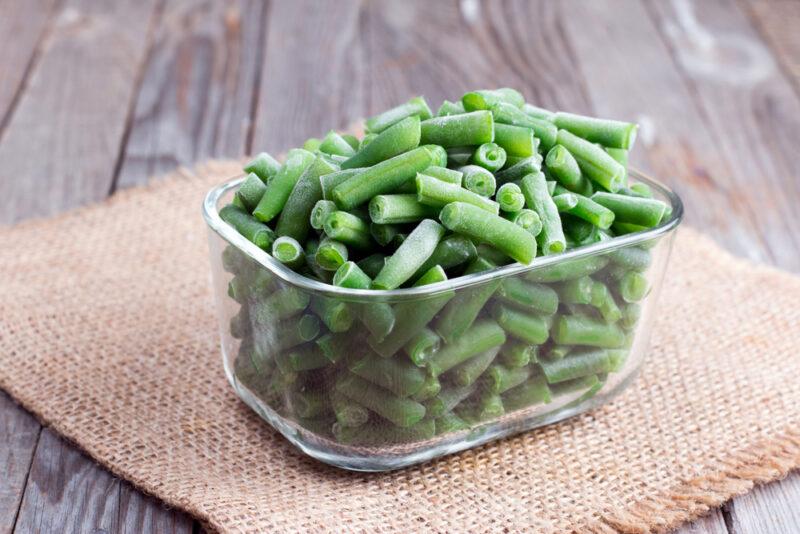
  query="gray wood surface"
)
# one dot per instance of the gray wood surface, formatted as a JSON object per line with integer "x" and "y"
{"x": 97, "y": 96}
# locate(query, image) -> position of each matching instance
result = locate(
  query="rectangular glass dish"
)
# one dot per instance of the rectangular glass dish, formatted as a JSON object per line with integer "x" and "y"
{"x": 499, "y": 352}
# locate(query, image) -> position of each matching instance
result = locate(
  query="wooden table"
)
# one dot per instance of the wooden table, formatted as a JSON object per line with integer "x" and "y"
{"x": 96, "y": 96}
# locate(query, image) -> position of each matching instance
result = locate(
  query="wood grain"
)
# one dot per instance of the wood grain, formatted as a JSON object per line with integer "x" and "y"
{"x": 711, "y": 523}
{"x": 198, "y": 87}
{"x": 67, "y": 492}
{"x": 312, "y": 73}
{"x": 19, "y": 432}
{"x": 768, "y": 509}
{"x": 751, "y": 110}
{"x": 62, "y": 143}
{"x": 778, "y": 21}
{"x": 140, "y": 513}
{"x": 22, "y": 25}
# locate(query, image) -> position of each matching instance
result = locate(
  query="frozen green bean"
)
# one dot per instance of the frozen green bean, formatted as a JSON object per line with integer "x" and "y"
{"x": 609, "y": 133}
{"x": 633, "y": 287}
{"x": 479, "y": 181}
{"x": 383, "y": 234}
{"x": 530, "y": 328}
{"x": 544, "y": 130}
{"x": 436, "y": 193}
{"x": 414, "y": 107}
{"x": 516, "y": 353}
{"x": 576, "y": 291}
{"x": 282, "y": 184}
{"x": 579, "y": 363}
{"x": 336, "y": 314}
{"x": 372, "y": 264}
{"x": 590, "y": 211}
{"x": 565, "y": 202}
{"x": 451, "y": 251}
{"x": 534, "y": 391}
{"x": 399, "y": 376}
{"x": 424, "y": 344}
{"x": 527, "y": 219}
{"x": 645, "y": 212}
{"x": 288, "y": 251}
{"x": 485, "y": 98}
{"x": 529, "y": 296}
{"x": 603, "y": 300}
{"x": 518, "y": 171}
{"x": 490, "y": 156}
{"x": 450, "y": 422}
{"x": 251, "y": 228}
{"x": 251, "y": 191}
{"x": 515, "y": 140}
{"x": 510, "y": 198}
{"x": 393, "y": 141}
{"x": 458, "y": 156}
{"x": 264, "y": 166}
{"x": 409, "y": 256}
{"x": 473, "y": 128}
{"x": 502, "y": 378}
{"x": 320, "y": 212}
{"x": 551, "y": 238}
{"x": 482, "y": 336}
{"x": 471, "y": 370}
{"x": 399, "y": 208}
{"x": 348, "y": 414}
{"x": 450, "y": 108}
{"x": 448, "y": 399}
{"x": 432, "y": 276}
{"x": 295, "y": 218}
{"x": 594, "y": 162}
{"x": 281, "y": 304}
{"x": 331, "y": 254}
{"x": 568, "y": 270}
{"x": 348, "y": 229}
{"x": 302, "y": 358}
{"x": 461, "y": 312}
{"x": 402, "y": 412}
{"x": 583, "y": 330}
{"x": 537, "y": 112}
{"x": 335, "y": 144}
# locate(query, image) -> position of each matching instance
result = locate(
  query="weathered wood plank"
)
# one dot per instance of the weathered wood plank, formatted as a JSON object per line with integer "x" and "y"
{"x": 67, "y": 492}
{"x": 768, "y": 509}
{"x": 140, "y": 513}
{"x": 752, "y": 111}
{"x": 19, "y": 432}
{"x": 778, "y": 21}
{"x": 22, "y": 25}
{"x": 313, "y": 78}
{"x": 712, "y": 523}
{"x": 198, "y": 87}
{"x": 62, "y": 143}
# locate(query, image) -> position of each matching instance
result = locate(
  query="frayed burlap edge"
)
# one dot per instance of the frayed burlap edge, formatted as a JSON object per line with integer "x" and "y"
{"x": 764, "y": 461}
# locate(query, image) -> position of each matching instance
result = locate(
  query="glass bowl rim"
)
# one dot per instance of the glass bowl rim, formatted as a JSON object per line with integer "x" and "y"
{"x": 229, "y": 234}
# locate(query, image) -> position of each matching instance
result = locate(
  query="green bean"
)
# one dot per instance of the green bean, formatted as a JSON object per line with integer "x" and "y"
{"x": 281, "y": 304}
{"x": 450, "y": 108}
{"x": 584, "y": 383}
{"x": 282, "y": 184}
{"x": 603, "y": 300}
{"x": 479, "y": 181}
{"x": 400, "y": 411}
{"x": 529, "y": 328}
{"x": 349, "y": 229}
{"x": 409, "y": 256}
{"x": 393, "y": 141}
{"x": 482, "y": 336}
{"x": 288, "y": 251}
{"x": 527, "y": 219}
{"x": 491, "y": 258}
{"x": 534, "y": 391}
{"x": 516, "y": 353}
{"x": 485, "y": 98}
{"x": 448, "y": 399}
{"x": 529, "y": 296}
{"x": 576, "y": 291}
{"x": 307, "y": 404}
{"x": 487, "y": 406}
{"x": 564, "y": 168}
{"x": 424, "y": 344}
{"x": 479, "y": 224}
{"x": 502, "y": 378}
{"x": 613, "y": 134}
{"x": 587, "y": 209}
{"x": 253, "y": 230}
{"x": 383, "y": 234}
{"x": 320, "y": 212}
{"x": 335, "y": 144}
{"x": 630, "y": 315}
{"x": 515, "y": 140}
{"x": 378, "y": 317}
{"x": 414, "y": 107}
{"x": 410, "y": 317}
{"x": 436, "y": 193}
{"x": 338, "y": 347}
{"x": 236, "y": 201}
{"x": 432, "y": 276}
{"x": 451, "y": 251}
{"x": 593, "y": 161}
{"x": 336, "y": 314}
{"x": 510, "y": 198}
{"x": 551, "y": 238}
{"x": 351, "y": 276}
{"x": 568, "y": 270}
{"x": 556, "y": 352}
{"x": 251, "y": 191}
{"x": 348, "y": 414}
{"x": 518, "y": 171}
{"x": 302, "y": 358}
{"x": 473, "y": 128}
{"x": 544, "y": 130}
{"x": 537, "y": 112}
{"x": 459, "y": 156}
{"x": 367, "y": 139}
{"x": 372, "y": 264}
{"x": 264, "y": 166}
{"x": 384, "y": 177}
{"x": 331, "y": 254}
{"x": 565, "y": 202}
{"x": 471, "y": 370}
{"x": 490, "y": 156}
{"x": 627, "y": 228}
{"x": 450, "y": 422}
{"x": 398, "y": 376}
{"x": 645, "y": 212}
{"x": 459, "y": 315}
{"x": 331, "y": 180}
{"x": 384, "y": 434}
{"x": 578, "y": 364}
{"x": 582, "y": 330}
{"x": 633, "y": 287}
{"x": 620, "y": 155}
{"x": 430, "y": 388}
{"x": 312, "y": 144}
{"x": 352, "y": 140}
{"x": 551, "y": 186}
{"x": 295, "y": 218}
{"x": 400, "y": 208}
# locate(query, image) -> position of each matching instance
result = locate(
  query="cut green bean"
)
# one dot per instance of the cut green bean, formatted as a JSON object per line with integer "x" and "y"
{"x": 603, "y": 300}
{"x": 502, "y": 378}
{"x": 633, "y": 287}
{"x": 516, "y": 353}
{"x": 556, "y": 352}
{"x": 595, "y": 163}
{"x": 448, "y": 399}
{"x": 432, "y": 276}
{"x": 529, "y": 296}
{"x": 576, "y": 291}
{"x": 479, "y": 181}
{"x": 372, "y": 264}
{"x": 384, "y": 177}
{"x": 348, "y": 229}
{"x": 582, "y": 330}
{"x": 537, "y": 112}
{"x": 251, "y": 191}
{"x": 487, "y": 406}
{"x": 534, "y": 391}
{"x": 302, "y": 358}
{"x": 398, "y": 209}
{"x": 544, "y": 130}
{"x": 462, "y": 311}
{"x": 510, "y": 198}
{"x": 336, "y": 145}
{"x": 609, "y": 133}
{"x": 565, "y": 202}
{"x": 620, "y": 155}
{"x": 436, "y": 193}
{"x": 473, "y": 128}
{"x": 631, "y": 258}
{"x": 577, "y": 364}
{"x": 451, "y": 251}
{"x": 351, "y": 276}
{"x": 398, "y": 376}
{"x": 568, "y": 270}
{"x": 376, "y": 435}
{"x": 410, "y": 317}
{"x": 551, "y": 238}
{"x": 444, "y": 174}
{"x": 331, "y": 254}
{"x": 459, "y": 156}
{"x": 288, "y": 251}
{"x": 518, "y": 171}
{"x": 400, "y": 411}
{"x": 409, "y": 256}
{"x": 393, "y": 141}
{"x": 383, "y": 234}
{"x": 527, "y": 219}
{"x": 587, "y": 209}
{"x": 264, "y": 166}
{"x": 630, "y": 315}
{"x": 251, "y": 228}
{"x": 414, "y": 107}
{"x": 482, "y": 336}
{"x": 282, "y": 184}
{"x": 645, "y": 212}
{"x": 564, "y": 168}
{"x": 320, "y": 212}
{"x": 338, "y": 347}
{"x": 331, "y": 180}
{"x": 529, "y": 328}
{"x": 312, "y": 144}
{"x": 422, "y": 346}
{"x": 430, "y": 388}
{"x": 490, "y": 156}
{"x": 348, "y": 414}
{"x": 515, "y": 140}
{"x": 471, "y": 370}
{"x": 479, "y": 224}
{"x": 569, "y": 387}
{"x": 296, "y": 332}
{"x": 295, "y": 218}
{"x": 450, "y": 108}
{"x": 336, "y": 314}
{"x": 485, "y": 98}
{"x": 449, "y": 422}
{"x": 308, "y": 404}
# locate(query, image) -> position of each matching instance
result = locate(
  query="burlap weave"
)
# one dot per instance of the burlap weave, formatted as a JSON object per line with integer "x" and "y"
{"x": 108, "y": 334}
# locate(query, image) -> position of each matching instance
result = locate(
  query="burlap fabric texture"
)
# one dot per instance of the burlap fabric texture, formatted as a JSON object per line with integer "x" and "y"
{"x": 108, "y": 334}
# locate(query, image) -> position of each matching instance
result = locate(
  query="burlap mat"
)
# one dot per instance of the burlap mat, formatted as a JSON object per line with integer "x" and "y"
{"x": 108, "y": 334}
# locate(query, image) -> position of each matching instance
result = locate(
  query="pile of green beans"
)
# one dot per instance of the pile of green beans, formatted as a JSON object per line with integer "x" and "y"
{"x": 421, "y": 199}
